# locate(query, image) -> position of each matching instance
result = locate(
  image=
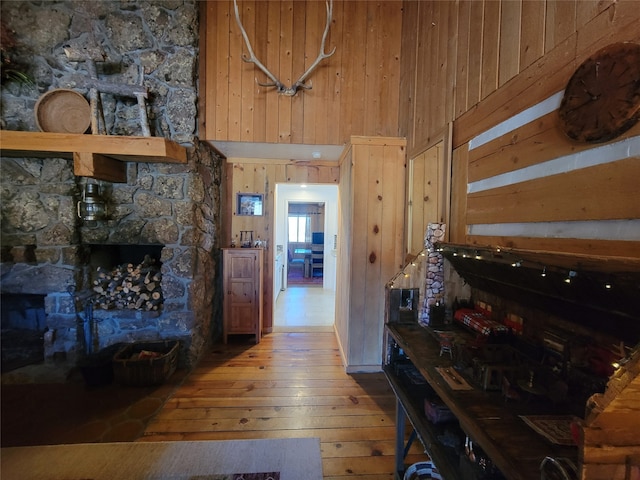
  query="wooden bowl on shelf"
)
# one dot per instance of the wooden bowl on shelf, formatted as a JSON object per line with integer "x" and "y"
{"x": 63, "y": 111}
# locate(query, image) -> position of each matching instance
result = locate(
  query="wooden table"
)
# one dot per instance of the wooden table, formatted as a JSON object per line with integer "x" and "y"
{"x": 307, "y": 259}
{"x": 494, "y": 425}
{"x": 531, "y": 389}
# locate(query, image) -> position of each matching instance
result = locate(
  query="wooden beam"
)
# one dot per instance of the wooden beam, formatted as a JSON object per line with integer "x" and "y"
{"x": 100, "y": 167}
{"x": 128, "y": 149}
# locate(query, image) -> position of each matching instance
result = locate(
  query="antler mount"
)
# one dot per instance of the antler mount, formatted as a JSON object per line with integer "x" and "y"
{"x": 281, "y": 88}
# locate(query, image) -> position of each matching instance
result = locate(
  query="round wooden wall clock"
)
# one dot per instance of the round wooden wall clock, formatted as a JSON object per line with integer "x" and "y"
{"x": 602, "y": 98}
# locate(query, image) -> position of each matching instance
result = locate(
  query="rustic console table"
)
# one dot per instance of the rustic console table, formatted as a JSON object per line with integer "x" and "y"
{"x": 491, "y": 423}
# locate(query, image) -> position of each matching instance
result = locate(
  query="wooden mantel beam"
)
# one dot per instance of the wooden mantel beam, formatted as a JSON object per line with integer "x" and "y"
{"x": 100, "y": 167}
{"x": 126, "y": 149}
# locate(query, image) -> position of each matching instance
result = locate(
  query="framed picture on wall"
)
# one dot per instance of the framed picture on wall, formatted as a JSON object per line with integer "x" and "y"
{"x": 250, "y": 204}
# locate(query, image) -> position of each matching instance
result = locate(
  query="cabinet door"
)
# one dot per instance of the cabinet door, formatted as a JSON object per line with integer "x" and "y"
{"x": 241, "y": 302}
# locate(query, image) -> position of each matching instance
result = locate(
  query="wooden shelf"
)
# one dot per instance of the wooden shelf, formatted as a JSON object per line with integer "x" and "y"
{"x": 494, "y": 425}
{"x": 95, "y": 156}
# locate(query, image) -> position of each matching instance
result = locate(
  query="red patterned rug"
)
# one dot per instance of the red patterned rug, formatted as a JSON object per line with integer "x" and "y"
{"x": 296, "y": 277}
{"x": 246, "y": 476}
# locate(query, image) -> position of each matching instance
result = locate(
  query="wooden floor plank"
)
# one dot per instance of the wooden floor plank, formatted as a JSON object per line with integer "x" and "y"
{"x": 337, "y": 401}
{"x": 197, "y": 391}
{"x": 359, "y": 465}
{"x": 363, "y": 448}
{"x": 230, "y": 374}
{"x": 325, "y": 435}
{"x": 257, "y": 424}
{"x": 270, "y": 412}
{"x": 266, "y": 373}
{"x": 282, "y": 382}
{"x": 288, "y": 385}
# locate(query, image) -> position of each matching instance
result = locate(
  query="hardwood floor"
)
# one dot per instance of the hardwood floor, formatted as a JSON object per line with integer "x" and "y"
{"x": 303, "y": 308}
{"x": 289, "y": 385}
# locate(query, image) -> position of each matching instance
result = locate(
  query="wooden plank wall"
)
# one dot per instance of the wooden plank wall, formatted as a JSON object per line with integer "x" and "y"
{"x": 456, "y": 54}
{"x": 344, "y": 252}
{"x": 507, "y": 57}
{"x": 377, "y": 184}
{"x": 547, "y": 206}
{"x": 261, "y": 176}
{"x": 355, "y": 92}
{"x": 425, "y": 197}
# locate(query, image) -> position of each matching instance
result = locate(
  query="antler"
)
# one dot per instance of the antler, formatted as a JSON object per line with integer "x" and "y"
{"x": 280, "y": 87}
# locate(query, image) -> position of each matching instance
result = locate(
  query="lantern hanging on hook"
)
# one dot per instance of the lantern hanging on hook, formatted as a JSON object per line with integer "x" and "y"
{"x": 91, "y": 208}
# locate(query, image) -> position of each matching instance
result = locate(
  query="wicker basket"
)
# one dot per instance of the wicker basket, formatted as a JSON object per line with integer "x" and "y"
{"x": 128, "y": 369}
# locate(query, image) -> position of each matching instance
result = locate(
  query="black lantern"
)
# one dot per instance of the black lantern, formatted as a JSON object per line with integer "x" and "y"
{"x": 92, "y": 207}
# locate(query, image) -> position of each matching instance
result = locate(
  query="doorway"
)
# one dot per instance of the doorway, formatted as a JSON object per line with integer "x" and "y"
{"x": 305, "y": 233}
{"x": 305, "y": 243}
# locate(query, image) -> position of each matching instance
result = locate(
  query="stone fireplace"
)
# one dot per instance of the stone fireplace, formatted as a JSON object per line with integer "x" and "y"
{"x": 167, "y": 213}
{"x": 173, "y": 209}
{"x": 23, "y": 326}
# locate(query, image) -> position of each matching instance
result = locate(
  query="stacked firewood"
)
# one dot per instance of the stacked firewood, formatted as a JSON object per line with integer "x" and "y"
{"x": 129, "y": 286}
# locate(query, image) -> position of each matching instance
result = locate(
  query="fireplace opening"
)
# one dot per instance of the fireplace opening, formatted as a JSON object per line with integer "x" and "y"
{"x": 109, "y": 256}
{"x": 23, "y": 325}
{"x": 126, "y": 277}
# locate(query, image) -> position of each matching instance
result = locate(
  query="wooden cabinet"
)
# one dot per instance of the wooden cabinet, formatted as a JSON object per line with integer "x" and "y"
{"x": 242, "y": 283}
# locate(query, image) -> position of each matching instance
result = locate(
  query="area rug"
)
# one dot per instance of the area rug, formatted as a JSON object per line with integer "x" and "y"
{"x": 239, "y": 476}
{"x": 296, "y": 277}
{"x": 265, "y": 459}
{"x": 555, "y": 428}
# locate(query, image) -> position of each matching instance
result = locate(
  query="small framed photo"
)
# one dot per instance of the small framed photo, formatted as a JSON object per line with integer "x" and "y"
{"x": 250, "y": 204}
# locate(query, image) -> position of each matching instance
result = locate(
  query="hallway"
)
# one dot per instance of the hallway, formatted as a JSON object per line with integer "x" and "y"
{"x": 304, "y": 308}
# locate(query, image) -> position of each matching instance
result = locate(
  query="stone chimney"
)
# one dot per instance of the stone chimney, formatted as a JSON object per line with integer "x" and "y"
{"x": 46, "y": 250}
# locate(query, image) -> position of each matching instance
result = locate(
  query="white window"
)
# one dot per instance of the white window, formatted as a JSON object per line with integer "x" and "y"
{"x": 299, "y": 228}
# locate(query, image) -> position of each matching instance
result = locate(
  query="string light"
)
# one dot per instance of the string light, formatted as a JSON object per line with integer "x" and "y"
{"x": 496, "y": 254}
{"x": 408, "y": 270}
